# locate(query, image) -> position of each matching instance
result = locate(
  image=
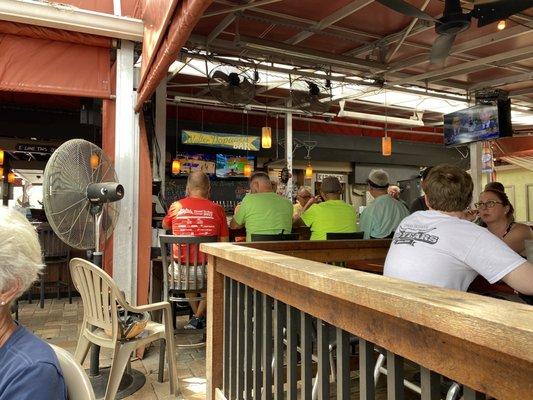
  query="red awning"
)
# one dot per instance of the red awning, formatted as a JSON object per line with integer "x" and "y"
{"x": 53, "y": 67}
{"x": 165, "y": 44}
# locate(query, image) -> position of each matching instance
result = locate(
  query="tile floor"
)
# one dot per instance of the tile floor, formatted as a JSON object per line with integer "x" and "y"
{"x": 58, "y": 323}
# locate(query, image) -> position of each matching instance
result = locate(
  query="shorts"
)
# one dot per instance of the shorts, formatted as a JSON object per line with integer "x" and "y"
{"x": 194, "y": 282}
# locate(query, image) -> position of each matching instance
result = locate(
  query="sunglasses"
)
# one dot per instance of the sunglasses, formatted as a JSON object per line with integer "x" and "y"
{"x": 487, "y": 204}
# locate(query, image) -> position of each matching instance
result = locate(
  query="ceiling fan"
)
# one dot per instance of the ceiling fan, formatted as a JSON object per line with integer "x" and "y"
{"x": 454, "y": 21}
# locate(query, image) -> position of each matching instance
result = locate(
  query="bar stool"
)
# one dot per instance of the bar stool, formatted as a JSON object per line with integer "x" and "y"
{"x": 54, "y": 251}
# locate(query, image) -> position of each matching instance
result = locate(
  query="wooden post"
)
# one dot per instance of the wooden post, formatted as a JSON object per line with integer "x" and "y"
{"x": 215, "y": 328}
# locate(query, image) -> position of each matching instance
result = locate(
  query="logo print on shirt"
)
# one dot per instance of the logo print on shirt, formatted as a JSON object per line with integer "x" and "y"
{"x": 410, "y": 236}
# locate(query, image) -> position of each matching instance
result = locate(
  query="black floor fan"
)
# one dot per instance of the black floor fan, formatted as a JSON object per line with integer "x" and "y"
{"x": 80, "y": 192}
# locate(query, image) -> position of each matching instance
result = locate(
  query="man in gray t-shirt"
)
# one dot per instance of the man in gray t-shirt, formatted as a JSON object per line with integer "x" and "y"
{"x": 439, "y": 247}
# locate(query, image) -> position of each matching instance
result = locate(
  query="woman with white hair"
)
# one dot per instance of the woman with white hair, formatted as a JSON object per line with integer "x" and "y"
{"x": 28, "y": 366}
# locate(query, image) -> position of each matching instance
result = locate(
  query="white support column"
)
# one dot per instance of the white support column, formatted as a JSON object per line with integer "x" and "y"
{"x": 127, "y": 167}
{"x": 159, "y": 144}
{"x": 288, "y": 152}
{"x": 475, "y": 168}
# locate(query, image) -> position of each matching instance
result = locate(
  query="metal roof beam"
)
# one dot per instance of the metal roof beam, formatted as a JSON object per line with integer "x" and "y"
{"x": 69, "y": 18}
{"x": 464, "y": 47}
{"x": 239, "y": 8}
{"x": 329, "y": 20}
{"x": 503, "y": 81}
{"x": 278, "y": 54}
{"x": 522, "y": 53}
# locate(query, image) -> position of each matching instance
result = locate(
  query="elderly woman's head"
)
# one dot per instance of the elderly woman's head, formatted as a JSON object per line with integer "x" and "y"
{"x": 20, "y": 255}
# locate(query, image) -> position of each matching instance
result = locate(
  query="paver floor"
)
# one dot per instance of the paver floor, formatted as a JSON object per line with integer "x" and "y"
{"x": 58, "y": 323}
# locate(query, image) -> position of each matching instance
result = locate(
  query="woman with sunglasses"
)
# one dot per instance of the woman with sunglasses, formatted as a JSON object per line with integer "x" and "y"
{"x": 497, "y": 214}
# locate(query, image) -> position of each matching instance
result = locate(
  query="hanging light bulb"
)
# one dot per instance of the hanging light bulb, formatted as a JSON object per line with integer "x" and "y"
{"x": 1, "y": 157}
{"x": 94, "y": 161}
{"x": 247, "y": 170}
{"x": 11, "y": 177}
{"x": 309, "y": 170}
{"x": 501, "y": 25}
{"x": 176, "y": 167}
{"x": 266, "y": 137}
{"x": 386, "y": 145}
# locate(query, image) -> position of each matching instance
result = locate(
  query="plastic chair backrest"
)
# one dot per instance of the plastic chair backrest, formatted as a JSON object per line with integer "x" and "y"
{"x": 260, "y": 237}
{"x": 99, "y": 294}
{"x": 186, "y": 261}
{"x": 76, "y": 380}
{"x": 341, "y": 236}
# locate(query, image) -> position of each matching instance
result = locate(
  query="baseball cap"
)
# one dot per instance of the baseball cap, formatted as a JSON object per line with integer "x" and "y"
{"x": 378, "y": 178}
{"x": 331, "y": 184}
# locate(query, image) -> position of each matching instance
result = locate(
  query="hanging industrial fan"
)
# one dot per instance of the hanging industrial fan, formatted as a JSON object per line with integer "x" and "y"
{"x": 310, "y": 95}
{"x": 454, "y": 21}
{"x": 232, "y": 85}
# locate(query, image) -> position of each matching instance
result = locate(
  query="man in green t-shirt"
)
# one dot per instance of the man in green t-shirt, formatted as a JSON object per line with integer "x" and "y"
{"x": 263, "y": 211}
{"x": 332, "y": 215}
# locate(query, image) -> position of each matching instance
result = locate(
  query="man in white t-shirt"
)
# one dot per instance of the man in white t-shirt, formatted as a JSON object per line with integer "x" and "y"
{"x": 438, "y": 247}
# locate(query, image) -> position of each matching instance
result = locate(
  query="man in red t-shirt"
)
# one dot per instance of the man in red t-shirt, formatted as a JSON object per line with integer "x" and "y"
{"x": 196, "y": 215}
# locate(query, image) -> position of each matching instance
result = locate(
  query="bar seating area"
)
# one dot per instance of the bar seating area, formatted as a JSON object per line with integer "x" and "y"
{"x": 266, "y": 199}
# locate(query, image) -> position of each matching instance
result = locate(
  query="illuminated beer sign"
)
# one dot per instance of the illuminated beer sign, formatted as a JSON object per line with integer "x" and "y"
{"x": 221, "y": 140}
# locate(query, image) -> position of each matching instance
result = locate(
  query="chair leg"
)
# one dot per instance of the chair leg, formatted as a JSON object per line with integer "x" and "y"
{"x": 82, "y": 348}
{"x": 171, "y": 359}
{"x": 174, "y": 306}
{"x": 161, "y": 368}
{"x": 121, "y": 357}
{"x": 41, "y": 290}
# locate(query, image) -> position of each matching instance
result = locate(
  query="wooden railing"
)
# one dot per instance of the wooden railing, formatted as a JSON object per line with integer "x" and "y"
{"x": 273, "y": 319}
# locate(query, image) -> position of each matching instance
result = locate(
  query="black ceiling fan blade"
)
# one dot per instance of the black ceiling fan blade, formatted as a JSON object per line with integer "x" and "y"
{"x": 406, "y": 9}
{"x": 497, "y": 10}
{"x": 219, "y": 75}
{"x": 441, "y": 48}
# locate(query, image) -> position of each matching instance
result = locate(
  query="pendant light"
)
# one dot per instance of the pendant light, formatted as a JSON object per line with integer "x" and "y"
{"x": 309, "y": 170}
{"x": 11, "y": 177}
{"x": 266, "y": 137}
{"x": 94, "y": 161}
{"x": 1, "y": 157}
{"x": 176, "y": 164}
{"x": 386, "y": 145}
{"x": 386, "y": 141}
{"x": 266, "y": 132}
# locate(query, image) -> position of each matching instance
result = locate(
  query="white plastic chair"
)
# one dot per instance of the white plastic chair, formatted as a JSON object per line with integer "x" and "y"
{"x": 76, "y": 380}
{"x": 100, "y": 297}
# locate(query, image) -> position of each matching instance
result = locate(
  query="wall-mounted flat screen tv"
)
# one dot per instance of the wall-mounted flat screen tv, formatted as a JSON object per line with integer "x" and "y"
{"x": 231, "y": 166}
{"x": 481, "y": 122}
{"x": 196, "y": 162}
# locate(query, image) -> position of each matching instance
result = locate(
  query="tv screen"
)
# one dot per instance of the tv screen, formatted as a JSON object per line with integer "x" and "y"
{"x": 482, "y": 122}
{"x": 230, "y": 166}
{"x": 196, "y": 162}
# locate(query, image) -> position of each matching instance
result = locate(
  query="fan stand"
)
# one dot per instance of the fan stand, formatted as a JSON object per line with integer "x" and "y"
{"x": 132, "y": 380}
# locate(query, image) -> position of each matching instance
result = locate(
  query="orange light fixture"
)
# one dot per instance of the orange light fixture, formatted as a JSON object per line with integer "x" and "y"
{"x": 386, "y": 146}
{"x": 11, "y": 177}
{"x": 176, "y": 167}
{"x": 247, "y": 170}
{"x": 1, "y": 173}
{"x": 1, "y": 157}
{"x": 309, "y": 170}
{"x": 94, "y": 161}
{"x": 501, "y": 25}
{"x": 266, "y": 137}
